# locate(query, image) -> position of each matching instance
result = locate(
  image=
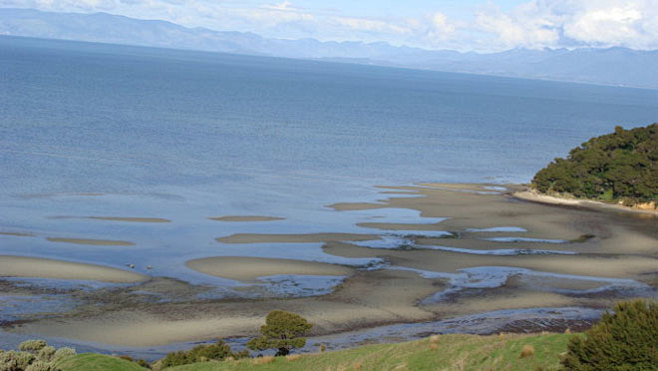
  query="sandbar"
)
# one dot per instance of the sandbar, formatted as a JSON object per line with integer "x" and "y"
{"x": 294, "y": 238}
{"x": 16, "y": 234}
{"x": 130, "y": 219}
{"x": 250, "y": 269}
{"x": 86, "y": 241}
{"x": 246, "y": 218}
{"x": 18, "y": 266}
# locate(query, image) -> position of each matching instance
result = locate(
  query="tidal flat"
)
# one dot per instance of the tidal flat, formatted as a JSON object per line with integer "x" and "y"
{"x": 451, "y": 251}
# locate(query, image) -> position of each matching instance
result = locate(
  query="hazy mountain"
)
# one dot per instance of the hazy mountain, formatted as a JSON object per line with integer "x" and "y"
{"x": 613, "y": 66}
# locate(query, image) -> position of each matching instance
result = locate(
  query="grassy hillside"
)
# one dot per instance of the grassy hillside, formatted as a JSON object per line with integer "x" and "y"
{"x": 622, "y": 166}
{"x": 445, "y": 352}
{"x": 448, "y": 352}
{"x": 97, "y": 362}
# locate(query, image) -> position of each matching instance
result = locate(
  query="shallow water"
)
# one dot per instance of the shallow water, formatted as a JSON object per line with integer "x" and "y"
{"x": 102, "y": 143}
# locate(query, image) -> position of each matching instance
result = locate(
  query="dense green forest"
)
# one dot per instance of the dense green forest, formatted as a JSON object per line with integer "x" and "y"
{"x": 622, "y": 166}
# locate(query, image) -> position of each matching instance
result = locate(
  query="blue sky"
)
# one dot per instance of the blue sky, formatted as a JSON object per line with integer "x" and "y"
{"x": 466, "y": 25}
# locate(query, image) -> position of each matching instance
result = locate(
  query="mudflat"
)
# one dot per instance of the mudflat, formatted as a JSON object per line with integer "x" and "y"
{"x": 490, "y": 250}
{"x": 18, "y": 266}
{"x": 250, "y": 269}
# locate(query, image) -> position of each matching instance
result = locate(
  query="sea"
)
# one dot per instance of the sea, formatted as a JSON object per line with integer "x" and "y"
{"x": 89, "y": 129}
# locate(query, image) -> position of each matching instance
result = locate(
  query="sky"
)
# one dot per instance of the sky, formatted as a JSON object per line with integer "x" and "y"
{"x": 466, "y": 25}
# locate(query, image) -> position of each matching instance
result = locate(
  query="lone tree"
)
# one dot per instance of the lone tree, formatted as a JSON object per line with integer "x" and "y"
{"x": 623, "y": 341}
{"x": 282, "y": 331}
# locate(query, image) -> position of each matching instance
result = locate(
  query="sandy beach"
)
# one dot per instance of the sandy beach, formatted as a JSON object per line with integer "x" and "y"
{"x": 533, "y": 196}
{"x": 250, "y": 269}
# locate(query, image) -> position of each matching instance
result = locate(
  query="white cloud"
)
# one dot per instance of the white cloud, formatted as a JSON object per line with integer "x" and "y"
{"x": 365, "y": 24}
{"x": 621, "y": 24}
{"x": 571, "y": 23}
{"x": 532, "y": 24}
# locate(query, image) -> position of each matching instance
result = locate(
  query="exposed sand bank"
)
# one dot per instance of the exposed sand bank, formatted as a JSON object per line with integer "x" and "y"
{"x": 16, "y": 234}
{"x": 130, "y": 219}
{"x": 364, "y": 300}
{"x": 17, "y": 266}
{"x": 246, "y": 218}
{"x": 249, "y": 269}
{"x": 295, "y": 238}
{"x": 87, "y": 241}
{"x": 116, "y": 218}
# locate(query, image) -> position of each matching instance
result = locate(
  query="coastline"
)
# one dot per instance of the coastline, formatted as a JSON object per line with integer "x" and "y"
{"x": 534, "y": 196}
{"x": 470, "y": 249}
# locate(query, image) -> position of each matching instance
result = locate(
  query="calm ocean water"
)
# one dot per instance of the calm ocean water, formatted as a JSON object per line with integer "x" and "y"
{"x": 187, "y": 135}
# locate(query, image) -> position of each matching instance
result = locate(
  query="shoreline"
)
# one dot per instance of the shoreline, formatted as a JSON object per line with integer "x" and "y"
{"x": 462, "y": 250}
{"x": 531, "y": 195}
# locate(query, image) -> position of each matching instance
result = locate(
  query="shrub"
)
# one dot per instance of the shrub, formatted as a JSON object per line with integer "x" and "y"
{"x": 34, "y": 355}
{"x": 32, "y": 346}
{"x": 282, "y": 331}
{"x": 62, "y": 353}
{"x": 201, "y": 353}
{"x": 143, "y": 363}
{"x": 15, "y": 361}
{"x": 527, "y": 351}
{"x": 624, "y": 340}
{"x": 46, "y": 353}
{"x": 41, "y": 366}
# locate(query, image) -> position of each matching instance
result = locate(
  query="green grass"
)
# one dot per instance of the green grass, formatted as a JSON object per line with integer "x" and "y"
{"x": 97, "y": 362}
{"x": 452, "y": 352}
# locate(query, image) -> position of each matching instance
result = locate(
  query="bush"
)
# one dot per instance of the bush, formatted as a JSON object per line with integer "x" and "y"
{"x": 62, "y": 353}
{"x": 282, "y": 331}
{"x": 32, "y": 346}
{"x": 624, "y": 340}
{"x": 34, "y": 355}
{"x": 201, "y": 353}
{"x": 46, "y": 354}
{"x": 15, "y": 361}
{"x": 41, "y": 366}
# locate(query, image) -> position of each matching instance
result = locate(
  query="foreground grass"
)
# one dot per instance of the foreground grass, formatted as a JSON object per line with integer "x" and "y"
{"x": 445, "y": 352}
{"x": 97, "y": 362}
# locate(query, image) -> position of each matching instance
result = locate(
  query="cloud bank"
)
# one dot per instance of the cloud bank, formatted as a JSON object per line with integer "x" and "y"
{"x": 481, "y": 27}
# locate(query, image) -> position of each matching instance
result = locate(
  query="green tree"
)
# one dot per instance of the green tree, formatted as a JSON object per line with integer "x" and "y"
{"x": 625, "y": 340}
{"x": 283, "y": 331}
{"x": 622, "y": 166}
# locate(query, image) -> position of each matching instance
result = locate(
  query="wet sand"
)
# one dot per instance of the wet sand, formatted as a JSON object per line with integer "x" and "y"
{"x": 246, "y": 218}
{"x": 294, "y": 238}
{"x": 87, "y": 241}
{"x": 615, "y": 255}
{"x": 115, "y": 218}
{"x": 250, "y": 269}
{"x": 130, "y": 219}
{"x": 16, "y": 234}
{"x": 16, "y": 266}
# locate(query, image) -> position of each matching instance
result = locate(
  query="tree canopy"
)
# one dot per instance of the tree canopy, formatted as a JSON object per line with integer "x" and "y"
{"x": 282, "y": 331}
{"x": 622, "y": 166}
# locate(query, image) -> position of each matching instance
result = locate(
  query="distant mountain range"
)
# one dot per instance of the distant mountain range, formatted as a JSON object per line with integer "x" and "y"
{"x": 612, "y": 66}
